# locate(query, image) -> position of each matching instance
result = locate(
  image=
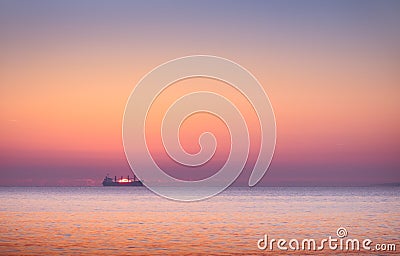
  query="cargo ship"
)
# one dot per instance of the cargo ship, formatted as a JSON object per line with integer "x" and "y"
{"x": 122, "y": 181}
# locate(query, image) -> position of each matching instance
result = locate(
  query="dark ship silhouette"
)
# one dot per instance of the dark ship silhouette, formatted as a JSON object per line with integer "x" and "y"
{"x": 122, "y": 181}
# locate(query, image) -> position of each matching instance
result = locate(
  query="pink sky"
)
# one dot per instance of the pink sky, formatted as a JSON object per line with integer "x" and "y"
{"x": 67, "y": 70}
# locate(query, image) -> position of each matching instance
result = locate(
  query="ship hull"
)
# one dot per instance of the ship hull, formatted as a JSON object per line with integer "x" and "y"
{"x": 123, "y": 184}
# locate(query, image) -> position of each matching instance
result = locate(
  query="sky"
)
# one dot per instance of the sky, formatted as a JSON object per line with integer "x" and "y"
{"x": 330, "y": 69}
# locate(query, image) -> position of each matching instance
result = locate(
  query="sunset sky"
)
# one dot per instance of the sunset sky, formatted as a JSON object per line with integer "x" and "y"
{"x": 331, "y": 70}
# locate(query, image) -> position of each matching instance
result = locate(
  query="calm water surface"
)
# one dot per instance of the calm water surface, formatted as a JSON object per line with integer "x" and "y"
{"x": 129, "y": 221}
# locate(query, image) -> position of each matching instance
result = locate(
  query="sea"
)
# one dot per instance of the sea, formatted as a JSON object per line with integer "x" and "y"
{"x": 239, "y": 221}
